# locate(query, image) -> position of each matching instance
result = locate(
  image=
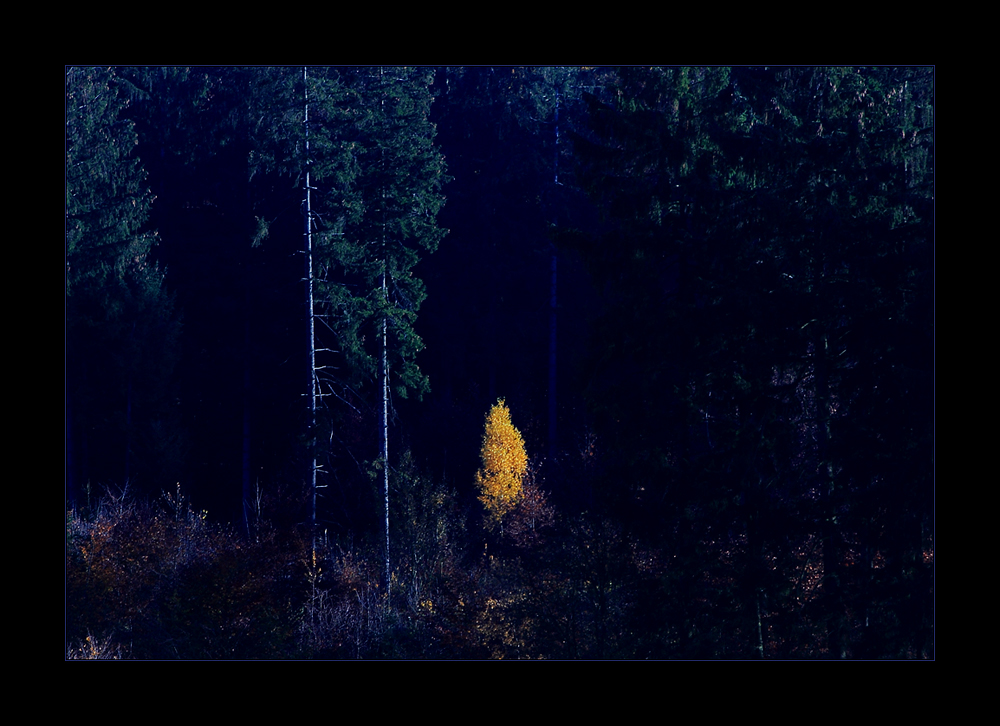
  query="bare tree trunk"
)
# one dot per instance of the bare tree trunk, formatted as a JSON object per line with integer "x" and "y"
{"x": 385, "y": 373}
{"x": 553, "y": 407}
{"x": 832, "y": 551}
{"x": 385, "y": 431}
{"x": 245, "y": 478}
{"x": 311, "y": 438}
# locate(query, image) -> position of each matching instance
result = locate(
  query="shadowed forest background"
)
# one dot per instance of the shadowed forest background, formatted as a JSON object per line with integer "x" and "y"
{"x": 605, "y": 362}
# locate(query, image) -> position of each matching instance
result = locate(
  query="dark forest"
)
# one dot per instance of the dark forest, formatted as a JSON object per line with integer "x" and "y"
{"x": 499, "y": 362}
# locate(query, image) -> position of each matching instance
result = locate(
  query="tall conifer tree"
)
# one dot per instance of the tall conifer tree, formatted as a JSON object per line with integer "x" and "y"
{"x": 121, "y": 327}
{"x": 371, "y": 295}
{"x": 763, "y": 223}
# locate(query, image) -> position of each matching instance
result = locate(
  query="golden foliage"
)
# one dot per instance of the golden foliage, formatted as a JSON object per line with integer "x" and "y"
{"x": 501, "y": 478}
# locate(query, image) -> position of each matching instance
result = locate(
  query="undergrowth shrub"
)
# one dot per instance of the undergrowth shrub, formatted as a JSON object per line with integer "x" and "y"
{"x": 165, "y": 583}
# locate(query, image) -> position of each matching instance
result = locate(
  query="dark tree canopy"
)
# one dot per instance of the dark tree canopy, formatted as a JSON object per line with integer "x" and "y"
{"x": 705, "y": 293}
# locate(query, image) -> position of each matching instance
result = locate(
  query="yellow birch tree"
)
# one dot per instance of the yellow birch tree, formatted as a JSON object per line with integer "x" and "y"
{"x": 505, "y": 463}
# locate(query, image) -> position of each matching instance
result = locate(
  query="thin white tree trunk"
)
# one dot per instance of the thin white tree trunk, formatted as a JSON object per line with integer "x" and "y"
{"x": 385, "y": 431}
{"x": 312, "y": 324}
{"x": 553, "y": 289}
{"x": 385, "y": 373}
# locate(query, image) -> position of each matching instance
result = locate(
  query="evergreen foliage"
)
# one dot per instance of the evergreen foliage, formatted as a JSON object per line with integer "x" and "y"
{"x": 388, "y": 223}
{"x": 764, "y": 223}
{"x": 744, "y": 465}
{"x": 121, "y": 328}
